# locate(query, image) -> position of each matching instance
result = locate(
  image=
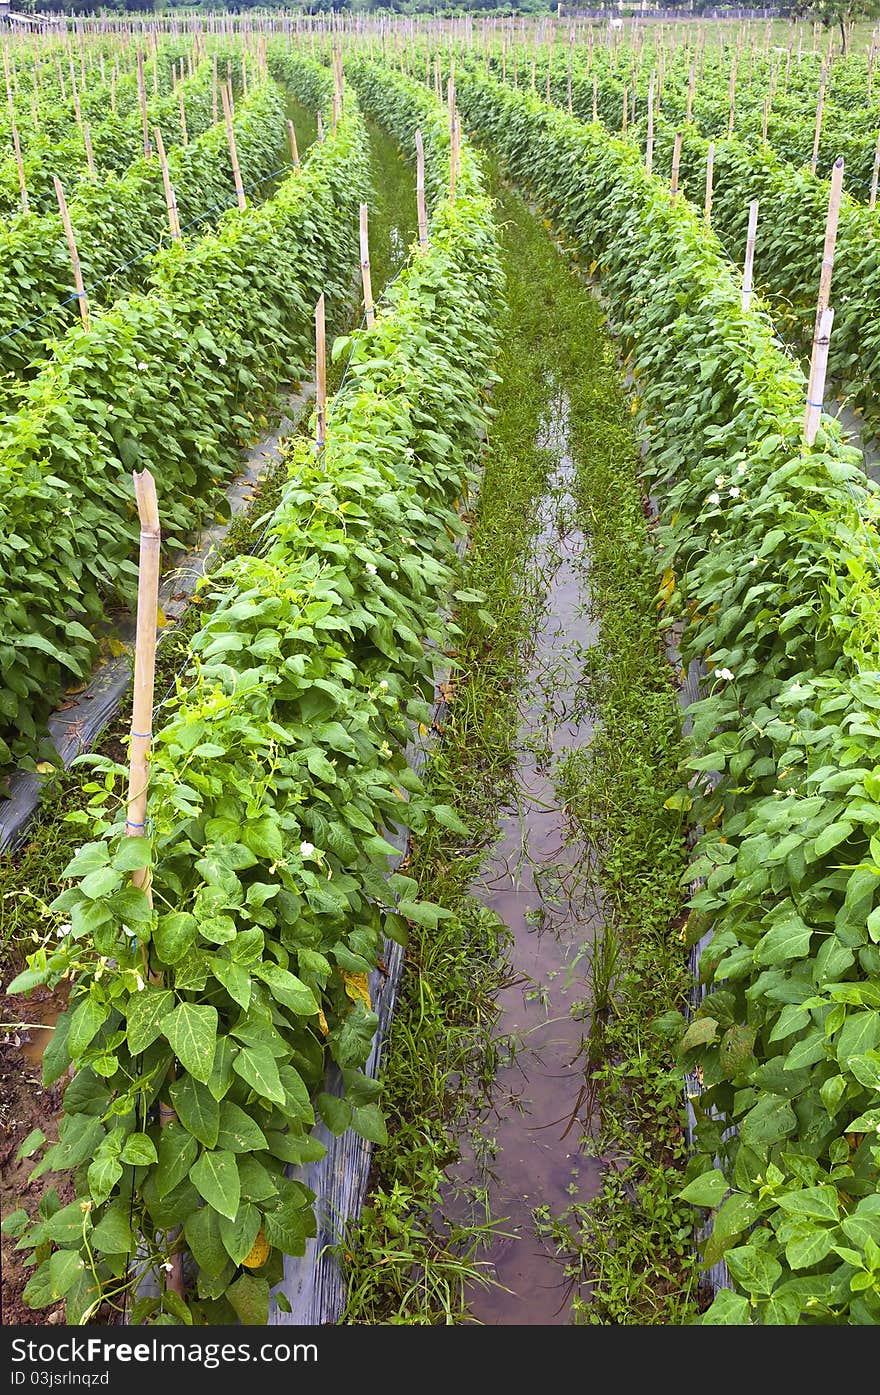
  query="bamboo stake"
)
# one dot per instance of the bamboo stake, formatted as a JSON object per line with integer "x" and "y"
{"x": 365, "y": 267}
{"x": 320, "y": 374}
{"x": 170, "y": 196}
{"x": 294, "y": 152}
{"x": 233, "y": 152}
{"x": 184, "y": 134}
{"x": 875, "y": 177}
{"x": 818, "y": 371}
{"x": 676, "y": 164}
{"x": 87, "y": 141}
{"x": 820, "y": 107}
{"x": 649, "y": 147}
{"x": 749, "y": 264}
{"x": 214, "y": 92}
{"x": 732, "y": 99}
{"x": 710, "y": 169}
{"x": 765, "y": 120}
{"x": 113, "y": 91}
{"x": 142, "y": 726}
{"x": 692, "y": 82}
{"x": 831, "y": 222}
{"x": 420, "y": 192}
{"x": 74, "y": 255}
{"x": 625, "y": 110}
{"x": 142, "y": 98}
{"x": 320, "y": 127}
{"x": 22, "y": 183}
{"x": 595, "y": 98}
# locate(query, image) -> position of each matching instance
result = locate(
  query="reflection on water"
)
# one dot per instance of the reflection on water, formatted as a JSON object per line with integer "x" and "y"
{"x": 526, "y": 1144}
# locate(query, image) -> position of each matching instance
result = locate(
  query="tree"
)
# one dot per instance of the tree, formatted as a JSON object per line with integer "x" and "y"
{"x": 842, "y": 13}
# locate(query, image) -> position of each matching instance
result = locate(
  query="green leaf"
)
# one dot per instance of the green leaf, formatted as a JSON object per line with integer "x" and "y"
{"x": 808, "y": 1247}
{"x": 335, "y": 1112}
{"x": 235, "y": 979}
{"x": 88, "y": 1019}
{"x": 831, "y": 836}
{"x": 192, "y": 1034}
{"x": 256, "y": 1065}
{"x": 202, "y": 1232}
{"x": 423, "y": 913}
{"x": 859, "y": 1033}
{"x": 289, "y": 1226}
{"x": 174, "y": 936}
{"x": 788, "y": 940}
{"x": 15, "y": 1223}
{"x": 196, "y": 1108}
{"x": 238, "y": 1235}
{"x": 753, "y": 1269}
{"x": 866, "y": 1069}
{"x": 215, "y": 1178}
{"x": 819, "y": 1203}
{"x": 728, "y": 1310}
{"x": 178, "y": 1151}
{"x": 239, "y": 1133}
{"x": 368, "y": 1121}
{"x": 448, "y": 818}
{"x": 133, "y": 854}
{"x": 65, "y": 1267}
{"x": 35, "y": 1138}
{"x": 89, "y": 858}
{"x": 139, "y": 1150}
{"x": 700, "y": 1032}
{"x": 113, "y": 1234}
{"x": 249, "y": 1297}
{"x": 288, "y": 989}
{"x": 144, "y": 1013}
{"x": 103, "y": 1175}
{"x": 709, "y": 1189}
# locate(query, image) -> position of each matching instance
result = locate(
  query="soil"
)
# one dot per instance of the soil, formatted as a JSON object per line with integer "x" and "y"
{"x": 25, "y": 1105}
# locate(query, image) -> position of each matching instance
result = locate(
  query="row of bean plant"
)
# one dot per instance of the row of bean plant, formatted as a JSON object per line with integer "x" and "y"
{"x": 275, "y": 781}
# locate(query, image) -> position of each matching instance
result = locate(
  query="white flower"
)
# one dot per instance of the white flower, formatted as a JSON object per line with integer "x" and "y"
{"x": 734, "y": 491}
{"x": 142, "y": 367}
{"x": 383, "y": 686}
{"x": 741, "y": 467}
{"x": 168, "y": 1266}
{"x": 724, "y": 673}
{"x": 140, "y": 983}
{"x": 370, "y": 569}
{"x": 307, "y": 849}
{"x": 719, "y": 480}
{"x": 714, "y": 499}
{"x": 754, "y": 562}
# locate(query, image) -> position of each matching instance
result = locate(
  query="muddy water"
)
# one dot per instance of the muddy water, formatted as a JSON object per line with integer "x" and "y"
{"x": 527, "y": 1152}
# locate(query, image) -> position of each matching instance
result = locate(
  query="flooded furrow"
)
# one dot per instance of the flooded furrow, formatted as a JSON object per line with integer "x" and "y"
{"x": 523, "y": 1154}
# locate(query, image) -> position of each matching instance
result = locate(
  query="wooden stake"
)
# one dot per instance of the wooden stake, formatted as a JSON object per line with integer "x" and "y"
{"x": 142, "y": 98}
{"x": 818, "y": 370}
{"x": 676, "y": 163}
{"x": 625, "y": 122}
{"x": 320, "y": 374}
{"x": 365, "y": 268}
{"x": 74, "y": 255}
{"x": 649, "y": 147}
{"x": 170, "y": 196}
{"x": 233, "y": 152}
{"x": 420, "y": 192}
{"x": 595, "y": 98}
{"x": 875, "y": 177}
{"x": 692, "y": 82}
{"x": 294, "y": 152}
{"x": 144, "y": 665}
{"x": 765, "y": 120}
{"x": 214, "y": 92}
{"x": 22, "y": 183}
{"x": 710, "y": 168}
{"x": 184, "y": 134}
{"x": 820, "y": 106}
{"x": 749, "y": 264}
{"x": 834, "y": 197}
{"x": 320, "y": 127}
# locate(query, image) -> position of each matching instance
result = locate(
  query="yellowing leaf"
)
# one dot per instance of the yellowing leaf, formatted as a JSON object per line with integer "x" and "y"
{"x": 45, "y": 767}
{"x": 357, "y": 986}
{"x": 116, "y": 647}
{"x": 322, "y": 1022}
{"x": 592, "y": 267}
{"x": 667, "y": 587}
{"x": 423, "y": 730}
{"x": 161, "y": 618}
{"x": 259, "y": 1252}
